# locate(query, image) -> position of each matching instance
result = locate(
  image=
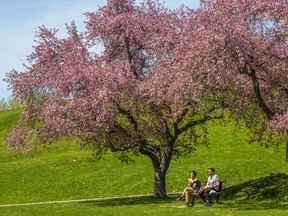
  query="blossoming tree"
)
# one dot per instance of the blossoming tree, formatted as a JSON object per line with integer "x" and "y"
{"x": 137, "y": 96}
{"x": 161, "y": 76}
{"x": 245, "y": 43}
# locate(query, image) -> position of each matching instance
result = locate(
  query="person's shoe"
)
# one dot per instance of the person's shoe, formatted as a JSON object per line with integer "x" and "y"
{"x": 179, "y": 198}
{"x": 187, "y": 205}
{"x": 208, "y": 204}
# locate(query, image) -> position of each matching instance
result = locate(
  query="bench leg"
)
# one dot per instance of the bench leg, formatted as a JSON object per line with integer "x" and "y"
{"x": 217, "y": 198}
{"x": 192, "y": 200}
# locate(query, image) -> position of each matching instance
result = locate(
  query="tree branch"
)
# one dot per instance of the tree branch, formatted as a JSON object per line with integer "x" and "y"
{"x": 162, "y": 120}
{"x": 129, "y": 55}
{"x": 200, "y": 121}
{"x": 182, "y": 115}
{"x": 128, "y": 115}
{"x": 151, "y": 150}
{"x": 269, "y": 113}
{"x": 113, "y": 148}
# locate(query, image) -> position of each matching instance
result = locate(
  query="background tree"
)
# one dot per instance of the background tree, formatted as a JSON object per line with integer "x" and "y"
{"x": 10, "y": 103}
{"x": 245, "y": 46}
{"x": 137, "y": 96}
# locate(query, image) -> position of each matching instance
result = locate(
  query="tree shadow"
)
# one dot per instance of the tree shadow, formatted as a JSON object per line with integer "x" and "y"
{"x": 132, "y": 201}
{"x": 254, "y": 205}
{"x": 269, "y": 192}
{"x": 273, "y": 188}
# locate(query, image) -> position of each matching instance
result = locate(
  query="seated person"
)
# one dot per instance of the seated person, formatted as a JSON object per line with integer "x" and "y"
{"x": 192, "y": 185}
{"x": 213, "y": 184}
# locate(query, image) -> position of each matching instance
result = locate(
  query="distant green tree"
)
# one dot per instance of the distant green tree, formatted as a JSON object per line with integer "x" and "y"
{"x": 3, "y": 104}
{"x": 11, "y": 103}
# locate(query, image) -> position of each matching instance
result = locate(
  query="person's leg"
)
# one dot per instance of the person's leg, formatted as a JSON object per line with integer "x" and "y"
{"x": 207, "y": 195}
{"x": 189, "y": 191}
{"x": 185, "y": 190}
{"x": 183, "y": 194}
{"x": 187, "y": 198}
{"x": 201, "y": 194}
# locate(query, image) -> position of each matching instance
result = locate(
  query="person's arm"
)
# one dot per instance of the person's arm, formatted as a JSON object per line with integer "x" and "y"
{"x": 217, "y": 181}
{"x": 189, "y": 182}
{"x": 207, "y": 185}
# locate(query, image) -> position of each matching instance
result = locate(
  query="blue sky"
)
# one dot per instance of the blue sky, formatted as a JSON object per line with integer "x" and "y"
{"x": 19, "y": 20}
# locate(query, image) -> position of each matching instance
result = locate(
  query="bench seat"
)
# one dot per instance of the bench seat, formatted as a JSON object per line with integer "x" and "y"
{"x": 212, "y": 193}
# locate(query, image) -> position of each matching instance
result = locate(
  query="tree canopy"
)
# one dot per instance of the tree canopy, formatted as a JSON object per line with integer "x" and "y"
{"x": 161, "y": 76}
{"x": 245, "y": 43}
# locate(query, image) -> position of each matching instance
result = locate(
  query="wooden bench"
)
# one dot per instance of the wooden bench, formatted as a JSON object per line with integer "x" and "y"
{"x": 212, "y": 193}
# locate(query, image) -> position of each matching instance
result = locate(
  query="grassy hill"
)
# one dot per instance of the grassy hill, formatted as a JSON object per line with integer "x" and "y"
{"x": 61, "y": 172}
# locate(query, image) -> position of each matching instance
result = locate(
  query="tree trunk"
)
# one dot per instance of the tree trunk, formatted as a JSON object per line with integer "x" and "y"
{"x": 161, "y": 166}
{"x": 160, "y": 160}
{"x": 159, "y": 183}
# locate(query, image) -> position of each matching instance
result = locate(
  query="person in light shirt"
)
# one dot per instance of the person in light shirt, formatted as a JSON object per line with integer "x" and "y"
{"x": 213, "y": 183}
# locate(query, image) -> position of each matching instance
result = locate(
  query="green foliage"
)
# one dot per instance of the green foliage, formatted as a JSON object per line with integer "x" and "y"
{"x": 10, "y": 104}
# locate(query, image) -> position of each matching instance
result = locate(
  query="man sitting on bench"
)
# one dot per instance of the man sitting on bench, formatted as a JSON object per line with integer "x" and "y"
{"x": 213, "y": 184}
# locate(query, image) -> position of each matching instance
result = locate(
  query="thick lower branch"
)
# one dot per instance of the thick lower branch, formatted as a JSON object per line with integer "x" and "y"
{"x": 162, "y": 120}
{"x": 113, "y": 148}
{"x": 259, "y": 97}
{"x": 126, "y": 136}
{"x": 151, "y": 150}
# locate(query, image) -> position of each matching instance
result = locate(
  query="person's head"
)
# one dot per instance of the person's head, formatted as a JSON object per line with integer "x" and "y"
{"x": 211, "y": 171}
{"x": 193, "y": 174}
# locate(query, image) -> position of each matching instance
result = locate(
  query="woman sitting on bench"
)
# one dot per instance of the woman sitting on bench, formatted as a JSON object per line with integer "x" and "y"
{"x": 192, "y": 185}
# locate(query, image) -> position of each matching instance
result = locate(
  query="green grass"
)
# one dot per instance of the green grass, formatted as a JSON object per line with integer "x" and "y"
{"x": 148, "y": 206}
{"x": 64, "y": 172}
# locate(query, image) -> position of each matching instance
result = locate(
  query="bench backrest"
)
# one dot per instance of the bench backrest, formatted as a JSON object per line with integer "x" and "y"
{"x": 222, "y": 184}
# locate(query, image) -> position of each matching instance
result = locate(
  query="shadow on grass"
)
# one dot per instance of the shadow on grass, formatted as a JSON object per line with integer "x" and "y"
{"x": 132, "y": 201}
{"x": 273, "y": 188}
{"x": 254, "y": 205}
{"x": 270, "y": 192}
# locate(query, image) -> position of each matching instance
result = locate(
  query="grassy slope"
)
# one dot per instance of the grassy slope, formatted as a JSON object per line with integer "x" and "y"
{"x": 7, "y": 119}
{"x": 63, "y": 172}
